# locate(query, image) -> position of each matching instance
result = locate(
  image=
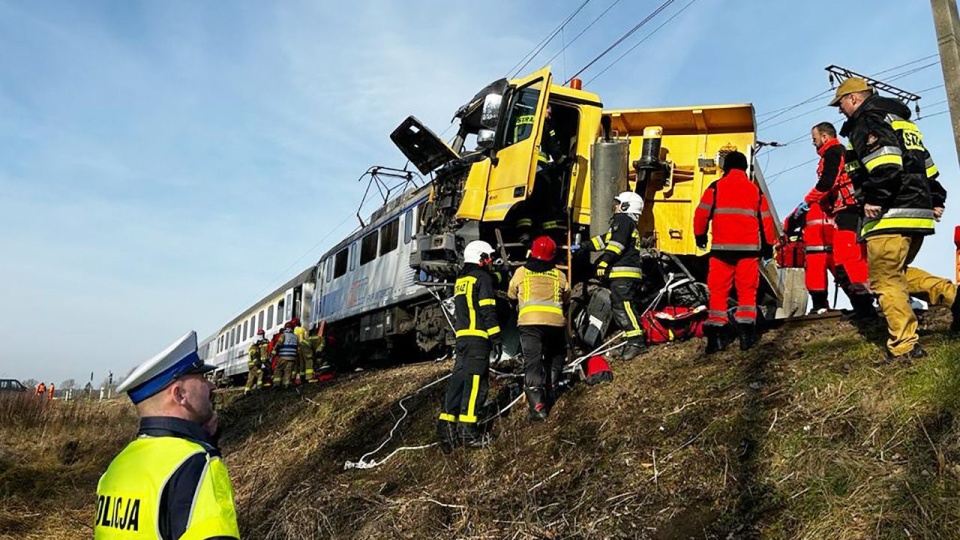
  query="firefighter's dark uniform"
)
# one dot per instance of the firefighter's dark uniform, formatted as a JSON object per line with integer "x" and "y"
{"x": 901, "y": 179}
{"x": 477, "y": 329}
{"x": 742, "y": 229}
{"x": 620, "y": 261}
{"x": 835, "y": 194}
{"x": 170, "y": 483}
{"x": 543, "y": 208}
{"x": 256, "y": 362}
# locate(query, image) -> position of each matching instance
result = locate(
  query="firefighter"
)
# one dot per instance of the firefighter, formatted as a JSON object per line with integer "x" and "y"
{"x": 169, "y": 482}
{"x": 902, "y": 199}
{"x": 742, "y": 231}
{"x": 835, "y": 194}
{"x": 619, "y": 262}
{"x": 298, "y": 328}
{"x": 478, "y": 333}
{"x": 317, "y": 345}
{"x": 543, "y": 207}
{"x": 256, "y": 363}
{"x": 541, "y": 291}
{"x": 286, "y": 352}
{"x": 818, "y": 232}
{"x": 305, "y": 357}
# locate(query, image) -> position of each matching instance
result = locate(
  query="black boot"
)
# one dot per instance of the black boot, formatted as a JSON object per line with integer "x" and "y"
{"x": 634, "y": 348}
{"x": 471, "y": 436}
{"x": 955, "y": 309}
{"x": 715, "y": 341}
{"x": 748, "y": 335}
{"x": 447, "y": 435}
{"x": 863, "y": 309}
{"x": 536, "y": 404}
{"x": 821, "y": 302}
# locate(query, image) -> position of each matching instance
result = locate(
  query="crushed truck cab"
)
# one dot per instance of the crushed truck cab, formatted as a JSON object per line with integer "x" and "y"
{"x": 668, "y": 155}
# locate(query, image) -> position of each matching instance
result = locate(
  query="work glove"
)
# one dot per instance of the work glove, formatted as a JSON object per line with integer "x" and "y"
{"x": 701, "y": 240}
{"x": 766, "y": 251}
{"x": 574, "y": 248}
{"x": 496, "y": 349}
{"x": 802, "y": 208}
{"x": 602, "y": 270}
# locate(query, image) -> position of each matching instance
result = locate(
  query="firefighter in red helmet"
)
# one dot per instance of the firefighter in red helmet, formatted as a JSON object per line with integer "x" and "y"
{"x": 742, "y": 230}
{"x": 541, "y": 292}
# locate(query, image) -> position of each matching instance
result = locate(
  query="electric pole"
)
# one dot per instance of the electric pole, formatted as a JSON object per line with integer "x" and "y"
{"x": 947, "y": 24}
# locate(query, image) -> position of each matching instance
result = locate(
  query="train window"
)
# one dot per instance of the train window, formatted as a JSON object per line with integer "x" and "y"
{"x": 352, "y": 249}
{"x": 270, "y": 316}
{"x": 246, "y": 330}
{"x": 340, "y": 267}
{"x": 280, "y": 313}
{"x": 407, "y": 226}
{"x": 388, "y": 236}
{"x": 253, "y": 325}
{"x": 329, "y": 271}
{"x": 260, "y": 320}
{"x": 368, "y": 248}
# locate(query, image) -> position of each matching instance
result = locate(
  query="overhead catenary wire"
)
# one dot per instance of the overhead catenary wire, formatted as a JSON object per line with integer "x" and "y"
{"x": 576, "y": 37}
{"x": 526, "y": 59}
{"x": 648, "y": 36}
{"x": 621, "y": 39}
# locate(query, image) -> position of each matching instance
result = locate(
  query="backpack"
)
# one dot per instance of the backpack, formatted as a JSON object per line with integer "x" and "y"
{"x": 674, "y": 323}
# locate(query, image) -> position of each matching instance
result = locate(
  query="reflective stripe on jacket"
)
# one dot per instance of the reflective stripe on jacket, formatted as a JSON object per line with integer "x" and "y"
{"x": 540, "y": 296}
{"x": 834, "y": 190}
{"x": 167, "y": 484}
{"x": 475, "y": 305}
{"x": 739, "y": 213}
{"x": 818, "y": 229}
{"x": 619, "y": 248}
{"x": 287, "y": 345}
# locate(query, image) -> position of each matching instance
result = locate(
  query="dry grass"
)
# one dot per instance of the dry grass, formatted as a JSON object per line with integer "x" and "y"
{"x": 802, "y": 437}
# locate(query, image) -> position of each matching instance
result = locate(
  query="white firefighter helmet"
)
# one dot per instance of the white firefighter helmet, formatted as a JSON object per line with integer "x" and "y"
{"x": 477, "y": 251}
{"x": 630, "y": 203}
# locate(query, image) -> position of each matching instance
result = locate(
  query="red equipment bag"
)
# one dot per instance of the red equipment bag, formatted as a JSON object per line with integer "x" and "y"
{"x": 790, "y": 254}
{"x": 674, "y": 323}
{"x": 598, "y": 370}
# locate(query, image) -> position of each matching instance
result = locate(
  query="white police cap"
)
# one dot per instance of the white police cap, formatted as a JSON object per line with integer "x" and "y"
{"x": 155, "y": 374}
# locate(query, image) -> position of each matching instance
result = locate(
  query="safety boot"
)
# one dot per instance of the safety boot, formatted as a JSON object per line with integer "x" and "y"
{"x": 447, "y": 435}
{"x": 748, "y": 335}
{"x": 863, "y": 309}
{"x": 536, "y": 405}
{"x": 715, "y": 341}
{"x": 633, "y": 349}
{"x": 915, "y": 353}
{"x": 471, "y": 436}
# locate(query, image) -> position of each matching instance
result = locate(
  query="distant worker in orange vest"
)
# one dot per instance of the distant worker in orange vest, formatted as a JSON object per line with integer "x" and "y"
{"x": 41, "y": 389}
{"x": 833, "y": 196}
{"x": 50, "y": 392}
{"x": 742, "y": 231}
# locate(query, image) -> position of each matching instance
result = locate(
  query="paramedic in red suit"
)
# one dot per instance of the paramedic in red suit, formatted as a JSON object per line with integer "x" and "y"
{"x": 834, "y": 193}
{"x": 818, "y": 231}
{"x": 742, "y": 230}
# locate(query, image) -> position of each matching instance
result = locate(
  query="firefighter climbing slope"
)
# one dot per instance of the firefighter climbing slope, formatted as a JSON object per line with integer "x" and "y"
{"x": 742, "y": 230}
{"x": 619, "y": 262}
{"x": 478, "y": 333}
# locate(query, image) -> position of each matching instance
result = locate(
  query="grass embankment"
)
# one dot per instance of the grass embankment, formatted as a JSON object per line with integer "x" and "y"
{"x": 802, "y": 437}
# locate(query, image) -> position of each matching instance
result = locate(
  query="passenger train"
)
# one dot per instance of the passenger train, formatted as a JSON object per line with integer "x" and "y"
{"x": 374, "y": 304}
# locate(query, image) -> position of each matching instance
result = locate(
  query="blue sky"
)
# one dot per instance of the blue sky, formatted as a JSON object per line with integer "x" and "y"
{"x": 165, "y": 163}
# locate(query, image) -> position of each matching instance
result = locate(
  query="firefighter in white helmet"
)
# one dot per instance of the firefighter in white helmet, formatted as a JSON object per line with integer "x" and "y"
{"x": 478, "y": 333}
{"x": 619, "y": 262}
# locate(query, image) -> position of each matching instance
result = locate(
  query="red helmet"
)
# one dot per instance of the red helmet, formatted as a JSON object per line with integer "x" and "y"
{"x": 260, "y": 332}
{"x": 544, "y": 249}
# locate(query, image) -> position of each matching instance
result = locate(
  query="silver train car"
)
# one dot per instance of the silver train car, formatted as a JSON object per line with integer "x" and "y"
{"x": 376, "y": 307}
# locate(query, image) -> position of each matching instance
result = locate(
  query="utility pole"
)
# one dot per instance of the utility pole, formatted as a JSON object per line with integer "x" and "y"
{"x": 947, "y": 24}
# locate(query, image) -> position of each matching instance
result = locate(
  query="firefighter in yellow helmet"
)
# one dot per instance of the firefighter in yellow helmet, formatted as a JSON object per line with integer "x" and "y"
{"x": 170, "y": 482}
{"x": 256, "y": 362}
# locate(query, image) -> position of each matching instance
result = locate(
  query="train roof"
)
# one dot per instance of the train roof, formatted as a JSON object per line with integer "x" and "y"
{"x": 380, "y": 216}
{"x": 300, "y": 278}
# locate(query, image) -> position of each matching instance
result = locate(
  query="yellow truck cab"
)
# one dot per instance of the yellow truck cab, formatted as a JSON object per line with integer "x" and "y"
{"x": 669, "y": 155}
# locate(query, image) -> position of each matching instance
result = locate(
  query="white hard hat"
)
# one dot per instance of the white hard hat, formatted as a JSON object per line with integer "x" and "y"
{"x": 476, "y": 251}
{"x": 630, "y": 203}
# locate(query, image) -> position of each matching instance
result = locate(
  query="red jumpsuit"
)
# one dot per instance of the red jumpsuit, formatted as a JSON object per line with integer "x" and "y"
{"x": 818, "y": 237}
{"x": 741, "y": 226}
{"x": 835, "y": 194}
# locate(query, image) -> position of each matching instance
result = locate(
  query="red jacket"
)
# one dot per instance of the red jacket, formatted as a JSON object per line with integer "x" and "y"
{"x": 817, "y": 230}
{"x": 834, "y": 189}
{"x": 739, "y": 213}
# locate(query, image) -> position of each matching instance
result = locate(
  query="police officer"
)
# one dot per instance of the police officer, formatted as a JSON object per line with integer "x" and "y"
{"x": 620, "y": 263}
{"x": 256, "y": 362}
{"x": 287, "y": 352}
{"x": 541, "y": 291}
{"x": 478, "y": 333}
{"x": 834, "y": 194}
{"x": 170, "y": 482}
{"x": 742, "y": 232}
{"x": 902, "y": 199}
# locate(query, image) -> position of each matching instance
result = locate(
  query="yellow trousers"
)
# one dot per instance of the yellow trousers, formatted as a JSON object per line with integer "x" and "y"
{"x": 893, "y": 281}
